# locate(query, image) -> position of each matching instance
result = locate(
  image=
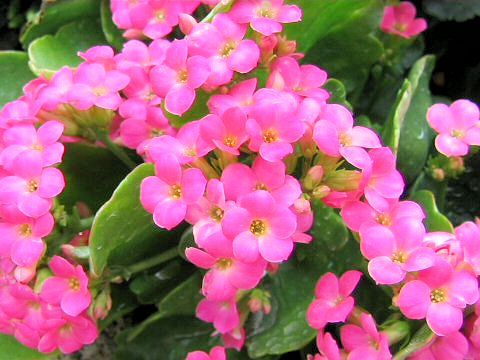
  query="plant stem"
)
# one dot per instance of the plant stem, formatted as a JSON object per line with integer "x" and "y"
{"x": 222, "y": 6}
{"x": 153, "y": 261}
{"x": 116, "y": 150}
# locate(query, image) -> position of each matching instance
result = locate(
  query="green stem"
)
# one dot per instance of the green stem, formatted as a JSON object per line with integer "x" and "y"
{"x": 116, "y": 150}
{"x": 153, "y": 261}
{"x": 222, "y": 6}
{"x": 421, "y": 338}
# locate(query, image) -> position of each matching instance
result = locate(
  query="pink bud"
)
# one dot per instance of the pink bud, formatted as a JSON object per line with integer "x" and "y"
{"x": 186, "y": 23}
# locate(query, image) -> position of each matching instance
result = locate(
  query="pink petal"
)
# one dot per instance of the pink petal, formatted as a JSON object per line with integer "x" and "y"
{"x": 74, "y": 302}
{"x": 326, "y": 138}
{"x": 353, "y": 337}
{"x": 51, "y": 184}
{"x": 340, "y": 312}
{"x": 61, "y": 267}
{"x": 259, "y": 203}
{"x": 440, "y": 118}
{"x": 377, "y": 241}
{"x": 275, "y": 151}
{"x": 327, "y": 287}
{"x": 169, "y": 213}
{"x": 27, "y": 252}
{"x": 247, "y": 275}
{"x": 28, "y": 165}
{"x": 356, "y": 213}
{"x": 273, "y": 249}
{"x": 168, "y": 169}
{"x": 179, "y": 99}
{"x": 245, "y": 247}
{"x": 472, "y": 136}
{"x": 199, "y": 258}
{"x": 245, "y": 57}
{"x": 235, "y": 221}
{"x": 193, "y": 185}
{"x": 414, "y": 299}
{"x": 348, "y": 281}
{"x": 282, "y": 223}
{"x": 198, "y": 71}
{"x": 444, "y": 319}
{"x": 450, "y": 146}
{"x": 316, "y": 313}
{"x": 176, "y": 56}
{"x": 464, "y": 286}
{"x": 265, "y": 26}
{"x": 420, "y": 259}
{"x": 364, "y": 137}
{"x": 33, "y": 205}
{"x": 465, "y": 112}
{"x": 289, "y": 14}
{"x": 163, "y": 79}
{"x": 217, "y": 286}
{"x": 384, "y": 271}
{"x": 53, "y": 289}
{"x": 152, "y": 191}
{"x": 356, "y": 156}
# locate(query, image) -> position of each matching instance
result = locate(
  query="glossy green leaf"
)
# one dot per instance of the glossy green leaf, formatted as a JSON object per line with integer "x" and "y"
{"x": 167, "y": 339}
{"x": 337, "y": 36}
{"x": 11, "y": 349}
{"x": 338, "y": 93}
{"x": 435, "y": 220}
{"x": 91, "y": 174}
{"x": 186, "y": 240}
{"x": 50, "y": 52}
{"x": 285, "y": 328}
{"x": 123, "y": 231}
{"x": 452, "y": 9}
{"x": 112, "y": 33}
{"x": 54, "y": 15}
{"x": 415, "y": 134}
{"x": 15, "y": 73}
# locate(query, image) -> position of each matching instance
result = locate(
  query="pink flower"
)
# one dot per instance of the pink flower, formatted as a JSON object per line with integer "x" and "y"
{"x": 93, "y": 85}
{"x": 67, "y": 288}
{"x": 167, "y": 194}
{"x": 227, "y": 274}
{"x": 440, "y": 294}
{"x": 222, "y": 43}
{"x": 272, "y": 131}
{"x": 31, "y": 187}
{"x": 216, "y": 353}
{"x": 450, "y": 347}
{"x": 383, "y": 180}
{"x": 327, "y": 346}
{"x": 226, "y": 132}
{"x": 18, "y": 111}
{"x": 265, "y": 17}
{"x": 179, "y": 76}
{"x": 333, "y": 302}
{"x": 260, "y": 227}
{"x": 21, "y": 237}
{"x": 223, "y": 314}
{"x": 136, "y": 53}
{"x": 69, "y": 334}
{"x": 458, "y": 126}
{"x": 234, "y": 339}
{"x": 25, "y": 137}
{"x": 55, "y": 93}
{"x": 335, "y": 135}
{"x": 400, "y": 20}
{"x": 241, "y": 95}
{"x": 365, "y": 342}
{"x": 100, "y": 54}
{"x": 304, "y": 80}
{"x": 469, "y": 236}
{"x": 396, "y": 251}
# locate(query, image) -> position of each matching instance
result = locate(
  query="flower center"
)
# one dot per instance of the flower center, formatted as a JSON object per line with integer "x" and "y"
{"x": 67, "y": 328}
{"x": 438, "y": 296}
{"x": 260, "y": 186}
{"x": 156, "y": 132}
{"x": 190, "y": 151}
{"x": 384, "y": 219}
{"x": 345, "y": 139}
{"x": 401, "y": 27}
{"x": 270, "y": 136}
{"x": 458, "y": 133}
{"x": 230, "y": 141}
{"x": 399, "y": 256}
{"x": 266, "y": 11}
{"x": 37, "y": 147}
{"x": 176, "y": 191}
{"x": 160, "y": 15}
{"x": 258, "y": 227}
{"x": 25, "y": 230}
{"x": 32, "y": 185}
{"x": 216, "y": 213}
{"x": 74, "y": 284}
{"x": 227, "y": 49}
{"x": 224, "y": 263}
{"x": 100, "y": 91}
{"x": 182, "y": 75}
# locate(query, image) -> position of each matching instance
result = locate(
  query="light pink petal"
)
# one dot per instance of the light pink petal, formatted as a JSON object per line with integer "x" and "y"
{"x": 217, "y": 286}
{"x": 465, "y": 112}
{"x": 273, "y": 249}
{"x": 51, "y": 184}
{"x": 384, "y": 271}
{"x": 289, "y": 14}
{"x": 364, "y": 137}
{"x": 28, "y": 165}
{"x": 265, "y": 26}
{"x": 168, "y": 169}
{"x": 472, "y": 136}
{"x": 53, "y": 289}
{"x": 353, "y": 337}
{"x": 287, "y": 194}
{"x": 389, "y": 185}
{"x": 326, "y": 138}
{"x": 176, "y": 56}
{"x": 376, "y": 241}
{"x": 227, "y": 319}
{"x": 356, "y": 156}
{"x": 169, "y": 213}
{"x": 235, "y": 221}
{"x": 52, "y": 154}
{"x": 464, "y": 286}
{"x": 444, "y": 319}
{"x": 420, "y": 259}
{"x": 74, "y": 302}
{"x": 211, "y": 128}
{"x": 27, "y": 252}
{"x": 242, "y": 11}
{"x": 275, "y": 151}
{"x": 247, "y": 275}
{"x": 33, "y": 205}
{"x": 179, "y": 99}
{"x": 348, "y": 281}
{"x": 414, "y": 299}
{"x": 245, "y": 57}
{"x": 245, "y": 247}
{"x": 258, "y": 203}
{"x": 356, "y": 213}
{"x": 197, "y": 355}
{"x": 282, "y": 223}
{"x": 152, "y": 191}
{"x": 193, "y": 185}
{"x": 437, "y": 275}
{"x": 61, "y": 267}
{"x": 199, "y": 258}
{"x": 238, "y": 179}
{"x": 163, "y": 79}
{"x": 440, "y": 118}
{"x": 450, "y": 146}
{"x": 110, "y": 101}
{"x": 198, "y": 71}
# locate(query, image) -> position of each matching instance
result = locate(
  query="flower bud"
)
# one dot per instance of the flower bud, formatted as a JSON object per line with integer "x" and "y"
{"x": 343, "y": 180}
{"x": 102, "y": 305}
{"x": 314, "y": 177}
{"x": 186, "y": 23}
{"x": 438, "y": 174}
{"x": 321, "y": 191}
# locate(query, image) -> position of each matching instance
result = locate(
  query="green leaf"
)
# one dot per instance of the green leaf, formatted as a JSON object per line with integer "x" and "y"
{"x": 452, "y": 9}
{"x": 167, "y": 339}
{"x": 338, "y": 93}
{"x": 186, "y": 240}
{"x": 337, "y": 36}
{"x": 285, "y": 328}
{"x": 421, "y": 338}
{"x": 435, "y": 220}
{"x": 112, "y": 33}
{"x": 123, "y": 231}
{"x": 415, "y": 134}
{"x": 11, "y": 349}
{"x": 50, "y": 52}
{"x": 123, "y": 302}
{"x": 14, "y": 73}
{"x": 91, "y": 174}
{"x": 51, "y": 17}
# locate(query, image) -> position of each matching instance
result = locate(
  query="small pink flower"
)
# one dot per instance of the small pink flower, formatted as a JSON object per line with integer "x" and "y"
{"x": 179, "y": 76}
{"x": 18, "y": 111}
{"x": 167, "y": 194}
{"x": 335, "y": 135}
{"x": 227, "y": 274}
{"x": 450, "y": 347}
{"x": 67, "y": 288}
{"x": 216, "y": 353}
{"x": 100, "y": 54}
{"x": 241, "y": 95}
{"x": 31, "y": 187}
{"x": 272, "y": 131}
{"x": 234, "y": 339}
{"x": 93, "y": 85}
{"x": 69, "y": 334}
{"x": 365, "y": 342}
{"x": 55, "y": 93}
{"x": 223, "y": 314}
{"x": 136, "y": 53}
{"x": 327, "y": 346}
{"x": 333, "y": 302}
{"x": 266, "y": 17}
{"x": 400, "y": 20}
{"x": 226, "y": 132}
{"x": 458, "y": 126}
{"x": 260, "y": 227}
{"x": 468, "y": 234}
{"x": 440, "y": 294}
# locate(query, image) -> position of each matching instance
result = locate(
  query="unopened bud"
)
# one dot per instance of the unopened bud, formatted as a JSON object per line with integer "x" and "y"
{"x": 456, "y": 164}
{"x": 24, "y": 274}
{"x": 314, "y": 177}
{"x": 254, "y": 304}
{"x": 343, "y": 180}
{"x": 285, "y": 46}
{"x": 302, "y": 205}
{"x": 272, "y": 268}
{"x": 102, "y": 305}
{"x": 321, "y": 191}
{"x": 438, "y": 174}
{"x": 186, "y": 23}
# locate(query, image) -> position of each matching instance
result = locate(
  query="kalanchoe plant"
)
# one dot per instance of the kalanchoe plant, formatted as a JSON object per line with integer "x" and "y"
{"x": 207, "y": 167}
